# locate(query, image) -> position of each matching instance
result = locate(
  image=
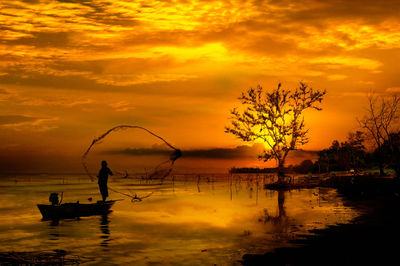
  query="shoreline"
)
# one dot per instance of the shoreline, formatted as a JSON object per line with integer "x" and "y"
{"x": 371, "y": 238}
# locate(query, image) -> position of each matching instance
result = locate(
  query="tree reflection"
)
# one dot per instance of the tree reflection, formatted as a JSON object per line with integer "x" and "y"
{"x": 281, "y": 220}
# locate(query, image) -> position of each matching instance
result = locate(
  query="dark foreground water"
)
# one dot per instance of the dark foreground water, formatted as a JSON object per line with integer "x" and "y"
{"x": 185, "y": 222}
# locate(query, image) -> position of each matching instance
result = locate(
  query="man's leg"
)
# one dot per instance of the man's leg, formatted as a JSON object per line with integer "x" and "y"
{"x": 103, "y": 191}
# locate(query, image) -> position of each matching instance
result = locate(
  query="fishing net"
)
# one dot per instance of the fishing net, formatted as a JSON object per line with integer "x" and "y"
{"x": 131, "y": 152}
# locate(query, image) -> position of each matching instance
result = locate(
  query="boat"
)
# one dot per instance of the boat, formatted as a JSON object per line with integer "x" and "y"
{"x": 73, "y": 210}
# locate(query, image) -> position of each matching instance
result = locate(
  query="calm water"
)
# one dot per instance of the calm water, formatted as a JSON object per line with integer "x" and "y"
{"x": 185, "y": 222}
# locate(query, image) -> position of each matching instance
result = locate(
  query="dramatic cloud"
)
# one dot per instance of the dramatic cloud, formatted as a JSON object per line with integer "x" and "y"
{"x": 75, "y": 68}
{"x": 122, "y": 43}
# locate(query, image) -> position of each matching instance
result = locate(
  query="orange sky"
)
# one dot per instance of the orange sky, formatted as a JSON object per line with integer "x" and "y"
{"x": 69, "y": 70}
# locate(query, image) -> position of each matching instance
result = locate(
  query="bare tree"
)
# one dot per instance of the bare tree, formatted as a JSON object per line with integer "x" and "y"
{"x": 380, "y": 121}
{"x": 275, "y": 118}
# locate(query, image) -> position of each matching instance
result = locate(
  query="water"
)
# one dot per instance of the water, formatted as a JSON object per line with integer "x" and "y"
{"x": 189, "y": 221}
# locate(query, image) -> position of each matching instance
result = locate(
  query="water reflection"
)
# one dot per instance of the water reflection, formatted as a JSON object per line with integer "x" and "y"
{"x": 54, "y": 233}
{"x": 178, "y": 225}
{"x": 105, "y": 230}
{"x": 54, "y": 222}
{"x": 280, "y": 222}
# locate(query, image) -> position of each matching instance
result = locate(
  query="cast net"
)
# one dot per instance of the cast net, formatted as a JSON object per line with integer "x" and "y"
{"x": 131, "y": 152}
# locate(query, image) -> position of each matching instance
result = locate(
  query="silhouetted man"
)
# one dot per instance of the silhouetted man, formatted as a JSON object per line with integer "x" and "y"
{"x": 103, "y": 178}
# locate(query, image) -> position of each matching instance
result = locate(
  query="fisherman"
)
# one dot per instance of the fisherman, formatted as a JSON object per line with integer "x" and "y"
{"x": 103, "y": 177}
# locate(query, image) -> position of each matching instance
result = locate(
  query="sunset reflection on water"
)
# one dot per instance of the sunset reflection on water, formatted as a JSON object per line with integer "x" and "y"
{"x": 191, "y": 221}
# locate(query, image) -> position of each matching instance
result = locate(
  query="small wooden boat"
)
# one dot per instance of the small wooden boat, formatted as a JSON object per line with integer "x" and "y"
{"x": 72, "y": 210}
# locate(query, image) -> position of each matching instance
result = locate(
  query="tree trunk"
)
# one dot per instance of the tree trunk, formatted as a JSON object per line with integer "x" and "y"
{"x": 281, "y": 174}
{"x": 381, "y": 161}
{"x": 381, "y": 168}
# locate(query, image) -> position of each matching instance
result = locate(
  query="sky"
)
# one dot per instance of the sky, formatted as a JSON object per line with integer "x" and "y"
{"x": 70, "y": 70}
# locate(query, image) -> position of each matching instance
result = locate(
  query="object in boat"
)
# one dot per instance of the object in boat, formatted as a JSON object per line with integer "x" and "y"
{"x": 71, "y": 210}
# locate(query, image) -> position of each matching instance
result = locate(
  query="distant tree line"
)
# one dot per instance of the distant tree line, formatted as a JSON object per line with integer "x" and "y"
{"x": 349, "y": 156}
{"x": 380, "y": 128}
{"x": 352, "y": 156}
{"x": 344, "y": 156}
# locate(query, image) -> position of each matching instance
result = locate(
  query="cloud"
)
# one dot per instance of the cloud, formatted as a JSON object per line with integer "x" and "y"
{"x": 340, "y": 62}
{"x": 369, "y": 11}
{"x": 355, "y": 94}
{"x": 127, "y": 80}
{"x": 225, "y": 153}
{"x": 16, "y": 119}
{"x": 22, "y": 122}
{"x": 393, "y": 89}
{"x": 130, "y": 46}
{"x": 122, "y": 106}
{"x": 222, "y": 153}
{"x": 53, "y": 101}
{"x": 211, "y": 153}
{"x": 4, "y": 91}
{"x": 175, "y": 64}
{"x": 43, "y": 39}
{"x": 336, "y": 77}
